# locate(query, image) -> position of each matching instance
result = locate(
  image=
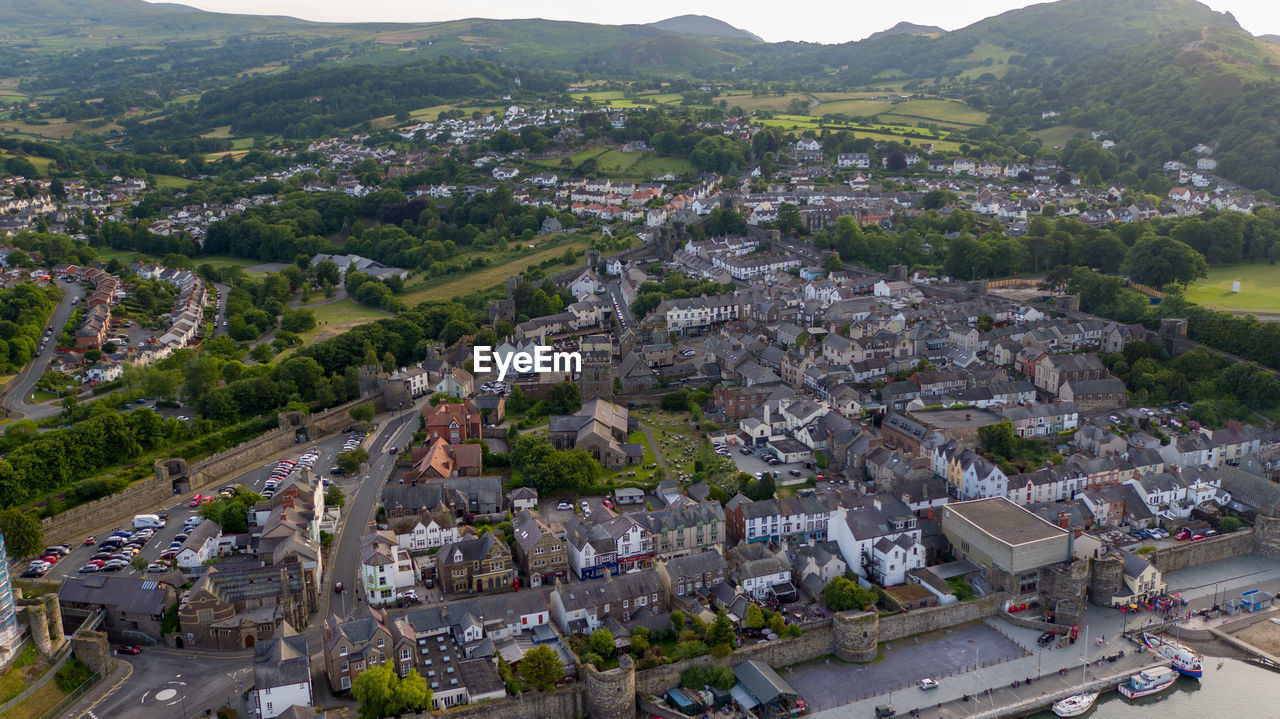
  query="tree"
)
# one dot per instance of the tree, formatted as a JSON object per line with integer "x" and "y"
{"x": 22, "y": 534}
{"x": 677, "y": 620}
{"x": 721, "y": 630}
{"x": 351, "y": 459}
{"x": 833, "y": 264}
{"x": 789, "y": 219}
{"x": 541, "y": 667}
{"x": 842, "y": 594}
{"x": 1158, "y": 261}
{"x": 602, "y": 642}
{"x": 754, "y": 618}
{"x": 381, "y": 693}
{"x": 333, "y": 497}
{"x": 1229, "y": 524}
{"x": 362, "y": 412}
{"x": 677, "y": 401}
{"x": 564, "y": 398}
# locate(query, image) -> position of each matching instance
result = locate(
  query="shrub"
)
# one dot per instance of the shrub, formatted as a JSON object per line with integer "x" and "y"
{"x": 720, "y": 651}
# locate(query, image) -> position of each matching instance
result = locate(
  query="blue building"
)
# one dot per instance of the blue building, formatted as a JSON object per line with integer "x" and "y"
{"x": 8, "y": 613}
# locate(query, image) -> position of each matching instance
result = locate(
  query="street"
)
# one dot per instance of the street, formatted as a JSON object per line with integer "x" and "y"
{"x": 19, "y": 389}
{"x": 169, "y": 683}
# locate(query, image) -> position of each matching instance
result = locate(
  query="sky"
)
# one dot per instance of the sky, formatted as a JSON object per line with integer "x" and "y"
{"x": 826, "y": 21}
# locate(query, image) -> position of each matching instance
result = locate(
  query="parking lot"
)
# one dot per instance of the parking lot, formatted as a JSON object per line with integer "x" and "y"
{"x": 180, "y": 510}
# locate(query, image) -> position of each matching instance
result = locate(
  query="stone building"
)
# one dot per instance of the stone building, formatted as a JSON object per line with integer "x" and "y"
{"x": 1010, "y": 544}
{"x": 543, "y": 555}
{"x": 235, "y": 606}
{"x": 133, "y": 609}
{"x": 482, "y": 564}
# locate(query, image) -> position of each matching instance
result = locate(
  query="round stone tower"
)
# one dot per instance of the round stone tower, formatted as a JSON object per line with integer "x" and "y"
{"x": 855, "y": 636}
{"x": 611, "y": 694}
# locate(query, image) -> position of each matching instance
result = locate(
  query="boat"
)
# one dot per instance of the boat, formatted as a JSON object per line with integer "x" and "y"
{"x": 1078, "y": 704}
{"x": 1148, "y": 682}
{"x": 1075, "y": 705}
{"x": 1186, "y": 660}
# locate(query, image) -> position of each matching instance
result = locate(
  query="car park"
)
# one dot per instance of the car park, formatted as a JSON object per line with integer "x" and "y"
{"x": 88, "y": 568}
{"x": 157, "y": 567}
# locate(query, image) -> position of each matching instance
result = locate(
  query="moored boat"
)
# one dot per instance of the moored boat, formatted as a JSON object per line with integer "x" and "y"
{"x": 1148, "y": 682}
{"x": 1186, "y": 661}
{"x": 1075, "y": 705}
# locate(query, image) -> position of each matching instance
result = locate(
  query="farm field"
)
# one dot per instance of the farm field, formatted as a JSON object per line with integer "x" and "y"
{"x": 1054, "y": 136}
{"x": 1259, "y": 288}
{"x": 940, "y": 111}
{"x": 632, "y": 164}
{"x": 457, "y": 285}
{"x": 883, "y": 132}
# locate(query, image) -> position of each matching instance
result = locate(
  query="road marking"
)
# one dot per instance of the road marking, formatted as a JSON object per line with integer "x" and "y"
{"x": 165, "y": 695}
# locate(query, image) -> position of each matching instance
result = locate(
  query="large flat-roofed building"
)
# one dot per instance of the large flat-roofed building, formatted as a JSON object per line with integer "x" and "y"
{"x": 1010, "y": 544}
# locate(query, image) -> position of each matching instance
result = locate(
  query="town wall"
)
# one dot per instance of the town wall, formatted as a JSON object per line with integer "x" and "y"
{"x": 1266, "y": 536}
{"x": 933, "y": 618}
{"x": 567, "y": 703}
{"x": 855, "y": 636}
{"x": 1106, "y": 578}
{"x": 148, "y": 494}
{"x": 611, "y": 694}
{"x": 1212, "y": 549}
{"x": 815, "y": 642}
{"x": 1029, "y": 623}
{"x": 92, "y": 648}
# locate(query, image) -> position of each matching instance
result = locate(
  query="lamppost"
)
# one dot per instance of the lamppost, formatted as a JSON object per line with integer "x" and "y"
{"x": 184, "y": 706}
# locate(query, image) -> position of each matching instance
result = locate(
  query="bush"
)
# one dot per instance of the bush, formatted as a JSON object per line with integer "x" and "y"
{"x": 720, "y": 651}
{"x": 689, "y": 650}
{"x": 72, "y": 675}
{"x": 714, "y": 675}
{"x": 1229, "y": 524}
{"x": 1145, "y": 549}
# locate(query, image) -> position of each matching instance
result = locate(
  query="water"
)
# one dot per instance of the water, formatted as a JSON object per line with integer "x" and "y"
{"x": 1237, "y": 690}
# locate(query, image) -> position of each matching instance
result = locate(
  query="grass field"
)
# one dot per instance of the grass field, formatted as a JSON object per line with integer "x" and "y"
{"x": 884, "y": 132}
{"x": 42, "y": 164}
{"x": 36, "y": 704}
{"x": 631, "y": 164}
{"x": 853, "y": 108}
{"x": 169, "y": 182}
{"x": 458, "y": 285}
{"x": 1052, "y": 136}
{"x": 337, "y": 317}
{"x": 939, "y": 110}
{"x": 1259, "y": 288}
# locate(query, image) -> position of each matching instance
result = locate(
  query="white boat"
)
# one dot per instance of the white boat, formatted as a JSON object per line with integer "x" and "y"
{"x": 1185, "y": 660}
{"x": 1148, "y": 682}
{"x": 1075, "y": 705}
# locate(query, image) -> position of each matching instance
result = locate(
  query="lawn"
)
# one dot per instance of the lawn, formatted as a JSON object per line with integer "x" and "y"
{"x": 447, "y": 288}
{"x": 26, "y": 668}
{"x": 643, "y": 476}
{"x": 645, "y": 164}
{"x": 677, "y": 441}
{"x": 36, "y": 704}
{"x": 853, "y": 108}
{"x": 940, "y": 111}
{"x": 1057, "y": 136}
{"x": 219, "y": 132}
{"x": 1259, "y": 288}
{"x": 337, "y": 317}
{"x": 169, "y": 182}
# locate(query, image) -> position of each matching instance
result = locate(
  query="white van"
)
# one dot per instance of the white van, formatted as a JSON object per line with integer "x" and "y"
{"x": 147, "y": 521}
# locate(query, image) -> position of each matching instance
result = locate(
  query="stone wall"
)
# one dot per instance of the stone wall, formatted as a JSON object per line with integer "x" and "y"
{"x": 813, "y": 643}
{"x": 1106, "y": 578}
{"x": 1029, "y": 623}
{"x": 611, "y": 694}
{"x": 1193, "y": 554}
{"x": 568, "y": 702}
{"x": 92, "y": 648}
{"x": 147, "y": 494}
{"x": 856, "y": 636}
{"x": 1266, "y": 536}
{"x": 934, "y": 618}
{"x": 654, "y": 709}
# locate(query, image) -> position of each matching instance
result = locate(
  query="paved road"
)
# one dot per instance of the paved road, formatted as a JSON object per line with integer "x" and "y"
{"x": 19, "y": 389}
{"x": 395, "y": 429}
{"x": 174, "y": 684}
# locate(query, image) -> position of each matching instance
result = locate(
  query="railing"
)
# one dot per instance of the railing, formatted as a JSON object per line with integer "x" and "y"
{"x": 72, "y": 697}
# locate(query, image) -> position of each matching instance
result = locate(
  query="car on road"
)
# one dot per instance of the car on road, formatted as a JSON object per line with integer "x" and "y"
{"x": 745, "y": 451}
{"x": 195, "y": 501}
{"x": 926, "y": 684}
{"x": 337, "y": 587}
{"x": 129, "y": 649}
{"x": 90, "y": 540}
{"x": 564, "y": 504}
{"x": 156, "y": 567}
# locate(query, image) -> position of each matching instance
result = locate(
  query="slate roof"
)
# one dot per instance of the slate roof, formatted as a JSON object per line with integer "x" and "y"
{"x": 126, "y": 594}
{"x": 282, "y": 660}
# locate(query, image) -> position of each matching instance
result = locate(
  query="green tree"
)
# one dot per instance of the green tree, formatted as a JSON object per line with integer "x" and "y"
{"x": 842, "y": 594}
{"x": 362, "y": 412}
{"x": 1229, "y": 524}
{"x": 381, "y": 693}
{"x": 333, "y": 497}
{"x": 541, "y": 668}
{"x": 721, "y": 630}
{"x": 677, "y": 620}
{"x": 789, "y": 219}
{"x": 1158, "y": 261}
{"x": 833, "y": 264}
{"x": 754, "y": 618}
{"x": 351, "y": 459}
{"x": 22, "y": 534}
{"x": 602, "y": 642}
{"x": 677, "y": 401}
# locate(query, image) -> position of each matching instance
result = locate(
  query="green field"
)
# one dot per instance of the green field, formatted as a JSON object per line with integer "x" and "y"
{"x": 1259, "y": 288}
{"x": 170, "y": 182}
{"x": 334, "y": 318}
{"x": 882, "y": 132}
{"x": 1059, "y": 135}
{"x": 458, "y": 285}
{"x": 630, "y": 164}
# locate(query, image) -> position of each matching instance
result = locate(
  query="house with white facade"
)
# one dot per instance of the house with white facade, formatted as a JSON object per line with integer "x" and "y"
{"x": 281, "y": 673}
{"x": 385, "y": 568}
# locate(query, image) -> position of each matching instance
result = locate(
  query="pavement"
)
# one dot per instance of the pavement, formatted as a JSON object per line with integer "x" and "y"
{"x": 1197, "y": 585}
{"x": 19, "y": 388}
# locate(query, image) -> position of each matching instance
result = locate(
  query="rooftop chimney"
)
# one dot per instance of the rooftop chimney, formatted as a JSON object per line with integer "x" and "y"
{"x": 1064, "y": 520}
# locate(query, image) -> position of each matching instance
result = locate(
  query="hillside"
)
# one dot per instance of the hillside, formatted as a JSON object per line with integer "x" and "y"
{"x": 907, "y": 28}
{"x": 703, "y": 25}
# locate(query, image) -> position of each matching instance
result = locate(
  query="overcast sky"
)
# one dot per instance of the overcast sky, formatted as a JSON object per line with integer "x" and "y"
{"x": 828, "y": 21}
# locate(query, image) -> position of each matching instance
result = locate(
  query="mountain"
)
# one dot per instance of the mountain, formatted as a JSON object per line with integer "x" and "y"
{"x": 703, "y": 25}
{"x": 907, "y": 28}
{"x": 1273, "y": 39}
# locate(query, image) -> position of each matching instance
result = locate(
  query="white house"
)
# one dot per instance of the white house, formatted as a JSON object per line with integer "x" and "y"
{"x": 422, "y": 537}
{"x": 104, "y": 371}
{"x": 385, "y": 568}
{"x": 859, "y": 531}
{"x": 200, "y": 545}
{"x": 281, "y": 673}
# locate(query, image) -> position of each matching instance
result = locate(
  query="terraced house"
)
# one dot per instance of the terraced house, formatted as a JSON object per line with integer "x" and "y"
{"x": 680, "y": 530}
{"x": 481, "y": 564}
{"x": 357, "y": 645}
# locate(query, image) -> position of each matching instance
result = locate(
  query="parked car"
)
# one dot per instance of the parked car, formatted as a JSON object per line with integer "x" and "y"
{"x": 744, "y": 451}
{"x": 129, "y": 649}
{"x": 606, "y": 504}
{"x": 195, "y": 501}
{"x": 564, "y": 504}
{"x": 90, "y": 540}
{"x": 927, "y": 684}
{"x": 156, "y": 567}
{"x": 1044, "y": 639}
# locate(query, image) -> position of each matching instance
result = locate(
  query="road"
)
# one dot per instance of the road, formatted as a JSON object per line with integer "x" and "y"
{"x": 168, "y": 683}
{"x": 19, "y": 389}
{"x": 396, "y": 430}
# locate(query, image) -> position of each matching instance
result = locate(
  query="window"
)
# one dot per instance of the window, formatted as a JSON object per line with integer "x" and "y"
{"x": 345, "y": 666}
{"x": 342, "y": 651}
{"x": 381, "y": 642}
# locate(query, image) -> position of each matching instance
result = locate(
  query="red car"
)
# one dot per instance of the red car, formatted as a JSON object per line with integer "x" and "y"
{"x": 195, "y": 501}
{"x": 90, "y": 540}
{"x": 129, "y": 649}
{"x": 606, "y": 504}
{"x": 207, "y": 499}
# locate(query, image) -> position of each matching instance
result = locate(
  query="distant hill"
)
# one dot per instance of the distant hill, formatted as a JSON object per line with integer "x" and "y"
{"x": 1273, "y": 39}
{"x": 908, "y": 28}
{"x": 703, "y": 25}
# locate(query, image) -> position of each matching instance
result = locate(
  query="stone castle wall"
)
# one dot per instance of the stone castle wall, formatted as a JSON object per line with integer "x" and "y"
{"x": 147, "y": 494}
{"x": 1192, "y": 554}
